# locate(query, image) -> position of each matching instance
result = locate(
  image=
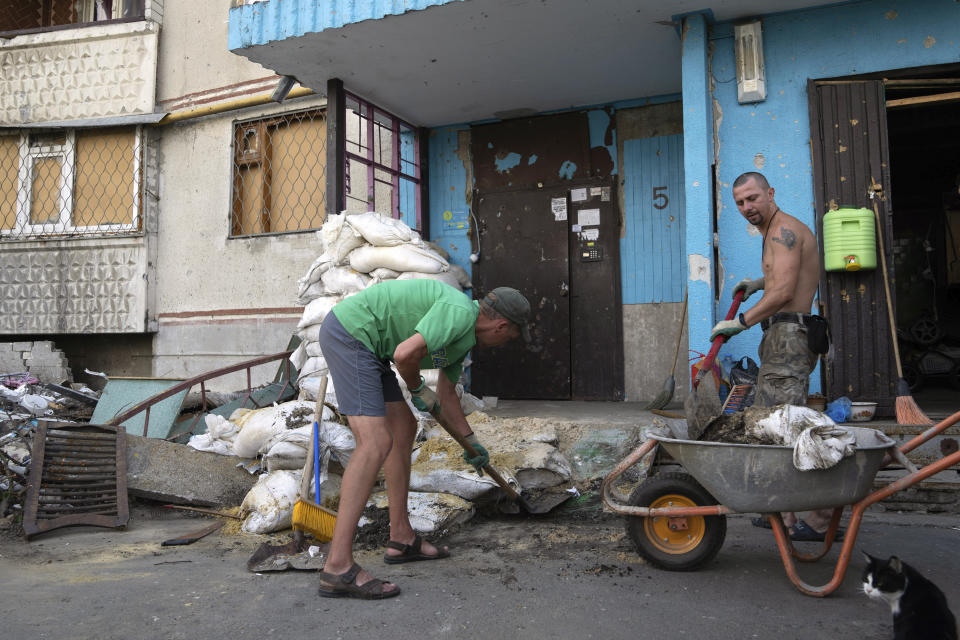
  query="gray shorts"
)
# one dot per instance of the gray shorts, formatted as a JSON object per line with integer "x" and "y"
{"x": 364, "y": 384}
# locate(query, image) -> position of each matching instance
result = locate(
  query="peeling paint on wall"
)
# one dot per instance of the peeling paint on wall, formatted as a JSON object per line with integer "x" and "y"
{"x": 759, "y": 161}
{"x": 567, "y": 169}
{"x": 890, "y": 15}
{"x": 698, "y": 267}
{"x": 508, "y": 162}
{"x": 531, "y": 160}
{"x": 929, "y": 41}
{"x": 463, "y": 152}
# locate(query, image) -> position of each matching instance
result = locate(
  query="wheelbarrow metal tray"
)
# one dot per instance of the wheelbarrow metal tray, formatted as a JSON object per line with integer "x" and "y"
{"x": 761, "y": 478}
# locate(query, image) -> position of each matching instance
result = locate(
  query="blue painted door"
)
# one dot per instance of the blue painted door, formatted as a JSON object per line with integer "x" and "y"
{"x": 652, "y": 250}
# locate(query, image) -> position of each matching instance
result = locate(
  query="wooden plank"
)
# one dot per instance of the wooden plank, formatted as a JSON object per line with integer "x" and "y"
{"x": 938, "y": 98}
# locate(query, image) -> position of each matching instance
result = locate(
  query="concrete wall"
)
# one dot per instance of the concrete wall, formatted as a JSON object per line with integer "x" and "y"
{"x": 774, "y": 136}
{"x": 219, "y": 300}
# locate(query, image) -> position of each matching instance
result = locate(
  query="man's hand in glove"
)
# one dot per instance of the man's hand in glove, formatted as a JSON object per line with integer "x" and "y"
{"x": 483, "y": 458}
{"x": 727, "y": 328}
{"x": 423, "y": 397}
{"x": 749, "y": 287}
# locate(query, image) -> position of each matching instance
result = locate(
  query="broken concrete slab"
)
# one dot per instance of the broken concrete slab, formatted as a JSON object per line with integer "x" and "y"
{"x": 171, "y": 472}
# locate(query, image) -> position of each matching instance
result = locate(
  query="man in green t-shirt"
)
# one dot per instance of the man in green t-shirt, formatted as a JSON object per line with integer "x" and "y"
{"x": 416, "y": 324}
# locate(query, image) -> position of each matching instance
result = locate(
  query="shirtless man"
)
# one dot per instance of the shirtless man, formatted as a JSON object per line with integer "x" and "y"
{"x": 791, "y": 274}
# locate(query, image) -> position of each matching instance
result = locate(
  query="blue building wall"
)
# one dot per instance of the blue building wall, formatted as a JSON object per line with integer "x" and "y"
{"x": 263, "y": 22}
{"x": 773, "y": 136}
{"x": 644, "y": 251}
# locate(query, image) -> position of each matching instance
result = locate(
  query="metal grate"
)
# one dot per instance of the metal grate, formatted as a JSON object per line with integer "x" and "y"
{"x": 78, "y": 476}
{"x": 279, "y": 173}
{"x": 74, "y": 182}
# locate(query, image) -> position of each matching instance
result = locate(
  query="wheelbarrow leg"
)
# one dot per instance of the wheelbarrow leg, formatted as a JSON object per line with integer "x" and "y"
{"x": 788, "y": 553}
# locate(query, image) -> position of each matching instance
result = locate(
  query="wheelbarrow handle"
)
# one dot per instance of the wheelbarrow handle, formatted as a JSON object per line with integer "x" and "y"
{"x": 718, "y": 341}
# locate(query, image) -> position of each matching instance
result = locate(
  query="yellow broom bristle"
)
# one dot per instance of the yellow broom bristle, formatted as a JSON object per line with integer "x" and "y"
{"x": 909, "y": 413}
{"x": 315, "y": 520}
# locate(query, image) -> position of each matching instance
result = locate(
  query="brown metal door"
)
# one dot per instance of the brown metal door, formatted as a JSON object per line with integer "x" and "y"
{"x": 596, "y": 314}
{"x": 523, "y": 246}
{"x": 848, "y": 126}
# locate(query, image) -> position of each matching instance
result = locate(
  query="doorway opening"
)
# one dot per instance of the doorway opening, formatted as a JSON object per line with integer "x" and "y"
{"x": 923, "y": 124}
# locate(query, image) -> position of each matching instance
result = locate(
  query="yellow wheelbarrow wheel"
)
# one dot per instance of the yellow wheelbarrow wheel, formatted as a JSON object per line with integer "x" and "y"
{"x": 674, "y": 535}
{"x": 682, "y": 543}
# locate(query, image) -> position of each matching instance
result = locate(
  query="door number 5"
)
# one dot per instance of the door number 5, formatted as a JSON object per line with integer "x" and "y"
{"x": 660, "y": 199}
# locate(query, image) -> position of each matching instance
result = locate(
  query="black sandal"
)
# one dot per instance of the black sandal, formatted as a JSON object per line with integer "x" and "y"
{"x": 345, "y": 585}
{"x": 411, "y": 552}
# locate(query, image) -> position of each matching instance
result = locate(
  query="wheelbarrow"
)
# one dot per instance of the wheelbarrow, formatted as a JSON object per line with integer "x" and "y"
{"x": 677, "y": 521}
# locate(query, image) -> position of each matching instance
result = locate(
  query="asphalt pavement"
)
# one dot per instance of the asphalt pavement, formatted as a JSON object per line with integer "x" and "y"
{"x": 572, "y": 574}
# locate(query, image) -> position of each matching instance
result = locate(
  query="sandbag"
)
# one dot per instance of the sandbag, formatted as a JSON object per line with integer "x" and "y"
{"x": 437, "y": 465}
{"x": 314, "y": 350}
{"x": 317, "y": 310}
{"x": 268, "y": 506}
{"x": 259, "y": 425}
{"x": 380, "y": 230}
{"x": 431, "y": 512}
{"x": 400, "y": 258}
{"x": 309, "y": 333}
{"x": 299, "y": 356}
{"x": 218, "y": 438}
{"x": 343, "y": 280}
{"x": 462, "y": 276}
{"x": 339, "y": 238}
{"x": 313, "y": 274}
{"x": 315, "y": 365}
{"x": 446, "y": 277}
{"x": 383, "y": 273}
{"x": 822, "y": 447}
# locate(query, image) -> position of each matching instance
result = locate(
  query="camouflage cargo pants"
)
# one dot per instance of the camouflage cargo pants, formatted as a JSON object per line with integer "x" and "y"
{"x": 785, "y": 365}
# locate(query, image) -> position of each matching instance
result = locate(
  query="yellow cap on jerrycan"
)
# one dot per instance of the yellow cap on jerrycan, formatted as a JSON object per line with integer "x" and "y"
{"x": 849, "y": 240}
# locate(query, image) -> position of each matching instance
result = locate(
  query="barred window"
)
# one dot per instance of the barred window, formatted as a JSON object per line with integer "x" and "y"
{"x": 279, "y": 173}
{"x": 70, "y": 182}
{"x": 382, "y": 165}
{"x": 33, "y": 15}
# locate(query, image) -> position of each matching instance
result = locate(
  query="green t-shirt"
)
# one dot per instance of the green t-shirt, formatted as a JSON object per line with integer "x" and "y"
{"x": 386, "y": 314}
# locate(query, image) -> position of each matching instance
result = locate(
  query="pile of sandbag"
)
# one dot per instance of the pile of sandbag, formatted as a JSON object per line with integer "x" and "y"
{"x": 360, "y": 250}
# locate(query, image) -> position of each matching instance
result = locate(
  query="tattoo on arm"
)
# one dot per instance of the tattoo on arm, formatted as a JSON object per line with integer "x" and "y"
{"x": 789, "y": 239}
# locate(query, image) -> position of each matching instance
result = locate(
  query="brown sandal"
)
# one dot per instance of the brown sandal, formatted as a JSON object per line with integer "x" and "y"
{"x": 411, "y": 552}
{"x": 345, "y": 585}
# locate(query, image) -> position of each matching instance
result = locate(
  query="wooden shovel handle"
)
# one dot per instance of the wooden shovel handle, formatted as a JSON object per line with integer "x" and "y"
{"x": 437, "y": 414}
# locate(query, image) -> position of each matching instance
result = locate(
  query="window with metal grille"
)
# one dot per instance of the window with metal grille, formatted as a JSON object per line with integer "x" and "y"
{"x": 382, "y": 164}
{"x": 71, "y": 182}
{"x": 33, "y": 15}
{"x": 279, "y": 173}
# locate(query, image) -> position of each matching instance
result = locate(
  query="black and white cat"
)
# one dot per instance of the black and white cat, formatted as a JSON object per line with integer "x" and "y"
{"x": 919, "y": 608}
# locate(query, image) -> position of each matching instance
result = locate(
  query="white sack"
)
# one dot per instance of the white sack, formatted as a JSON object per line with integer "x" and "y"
{"x": 268, "y": 506}
{"x": 431, "y": 512}
{"x": 817, "y": 441}
{"x": 446, "y": 472}
{"x": 446, "y": 277}
{"x": 314, "y": 366}
{"x": 383, "y": 273}
{"x": 344, "y": 280}
{"x": 311, "y": 293}
{"x": 218, "y": 438}
{"x": 313, "y": 274}
{"x": 36, "y": 405}
{"x": 462, "y": 276}
{"x": 314, "y": 350}
{"x": 299, "y": 356}
{"x": 822, "y": 447}
{"x": 339, "y": 238}
{"x": 401, "y": 258}
{"x": 380, "y": 230}
{"x": 440, "y": 251}
{"x": 309, "y": 333}
{"x": 310, "y": 385}
{"x": 259, "y": 425}
{"x": 316, "y": 311}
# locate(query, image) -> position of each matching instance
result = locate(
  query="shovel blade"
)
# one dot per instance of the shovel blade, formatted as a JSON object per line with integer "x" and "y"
{"x": 702, "y": 406}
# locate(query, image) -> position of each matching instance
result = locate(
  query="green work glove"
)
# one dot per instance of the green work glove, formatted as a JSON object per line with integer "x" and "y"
{"x": 424, "y": 398}
{"x": 483, "y": 458}
{"x": 749, "y": 287}
{"x": 727, "y": 328}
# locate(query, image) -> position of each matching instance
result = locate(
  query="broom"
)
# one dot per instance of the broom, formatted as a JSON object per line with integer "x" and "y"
{"x": 309, "y": 516}
{"x": 666, "y": 394}
{"x": 907, "y": 410}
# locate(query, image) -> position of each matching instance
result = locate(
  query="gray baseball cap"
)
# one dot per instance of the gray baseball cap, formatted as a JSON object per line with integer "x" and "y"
{"x": 513, "y": 306}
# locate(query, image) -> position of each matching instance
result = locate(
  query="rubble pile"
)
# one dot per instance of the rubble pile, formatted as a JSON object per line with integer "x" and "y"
{"x": 24, "y": 402}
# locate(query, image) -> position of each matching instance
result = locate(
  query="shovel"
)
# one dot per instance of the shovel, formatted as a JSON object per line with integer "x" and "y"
{"x": 703, "y": 403}
{"x": 437, "y": 414}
